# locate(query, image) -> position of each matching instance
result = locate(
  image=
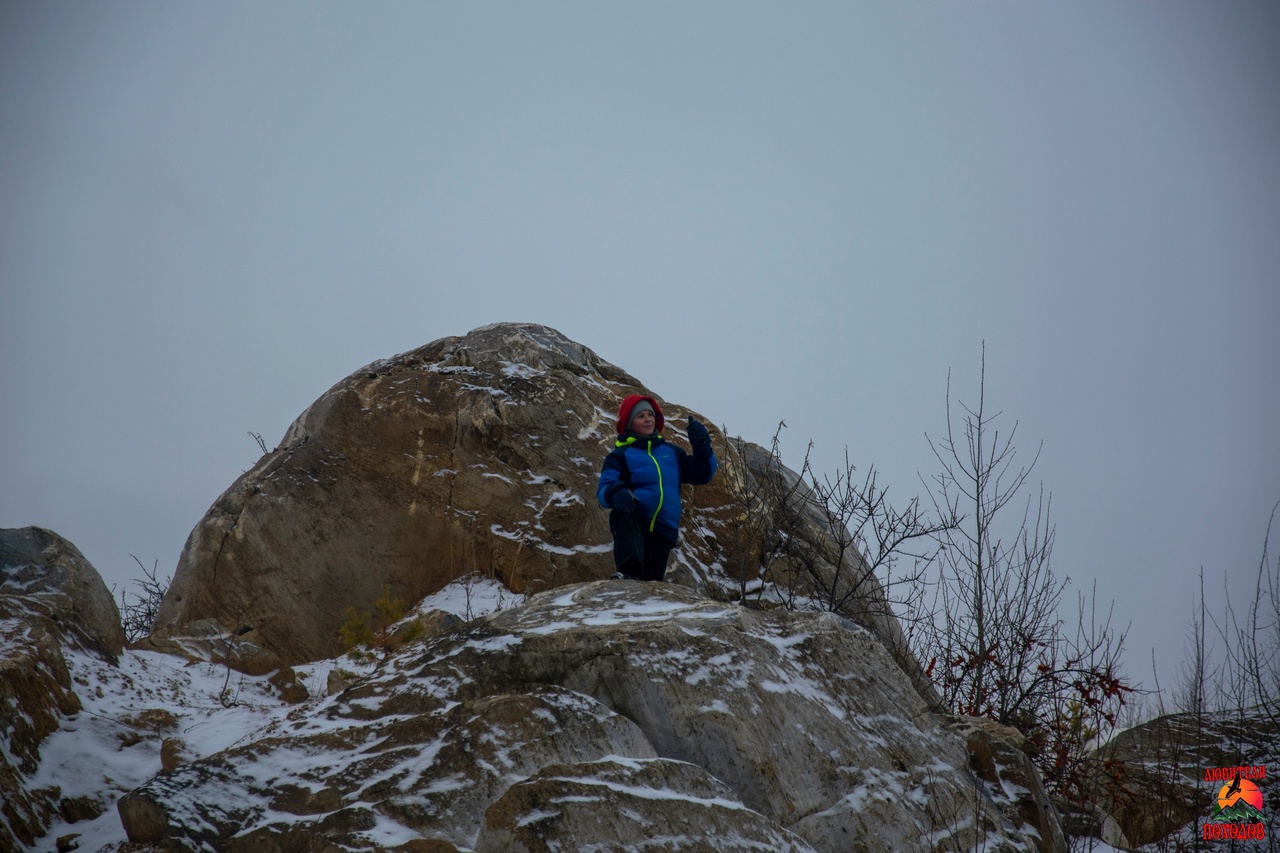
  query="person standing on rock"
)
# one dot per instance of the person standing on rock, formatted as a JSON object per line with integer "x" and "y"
{"x": 640, "y": 485}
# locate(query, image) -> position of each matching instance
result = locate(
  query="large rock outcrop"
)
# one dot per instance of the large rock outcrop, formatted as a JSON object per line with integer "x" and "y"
{"x": 474, "y": 454}
{"x": 50, "y": 597}
{"x": 606, "y": 714}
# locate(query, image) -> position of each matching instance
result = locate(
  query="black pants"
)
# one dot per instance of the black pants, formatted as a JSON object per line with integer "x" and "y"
{"x": 638, "y": 553}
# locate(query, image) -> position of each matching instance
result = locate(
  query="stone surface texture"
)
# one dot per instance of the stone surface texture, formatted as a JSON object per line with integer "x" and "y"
{"x": 605, "y": 711}
{"x": 50, "y": 597}
{"x": 42, "y": 567}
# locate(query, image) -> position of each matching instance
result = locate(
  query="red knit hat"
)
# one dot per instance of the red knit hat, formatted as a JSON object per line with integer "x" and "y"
{"x": 629, "y": 403}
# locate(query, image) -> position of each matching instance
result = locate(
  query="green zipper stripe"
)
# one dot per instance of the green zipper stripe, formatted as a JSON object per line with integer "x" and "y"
{"x": 661, "y": 492}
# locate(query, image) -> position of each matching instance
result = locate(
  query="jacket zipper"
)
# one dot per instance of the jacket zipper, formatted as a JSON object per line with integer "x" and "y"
{"x": 653, "y": 522}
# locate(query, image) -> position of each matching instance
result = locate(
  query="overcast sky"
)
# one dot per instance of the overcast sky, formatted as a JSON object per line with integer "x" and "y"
{"x": 210, "y": 213}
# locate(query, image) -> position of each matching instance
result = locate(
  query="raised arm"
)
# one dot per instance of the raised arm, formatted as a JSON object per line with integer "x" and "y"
{"x": 700, "y": 467}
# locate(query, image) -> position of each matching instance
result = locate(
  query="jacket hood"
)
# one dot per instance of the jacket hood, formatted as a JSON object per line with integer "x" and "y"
{"x": 629, "y": 403}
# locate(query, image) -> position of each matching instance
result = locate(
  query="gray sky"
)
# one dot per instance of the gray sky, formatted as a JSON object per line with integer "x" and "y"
{"x": 210, "y": 213}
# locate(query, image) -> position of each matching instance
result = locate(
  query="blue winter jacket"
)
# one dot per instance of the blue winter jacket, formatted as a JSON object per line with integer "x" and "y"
{"x": 654, "y": 471}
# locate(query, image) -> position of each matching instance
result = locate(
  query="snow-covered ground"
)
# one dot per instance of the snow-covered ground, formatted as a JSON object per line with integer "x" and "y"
{"x": 112, "y": 746}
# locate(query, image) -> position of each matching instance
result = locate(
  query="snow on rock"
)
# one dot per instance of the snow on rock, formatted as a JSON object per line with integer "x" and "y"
{"x": 593, "y": 715}
{"x": 107, "y": 728}
{"x": 132, "y": 714}
{"x": 44, "y": 568}
{"x": 657, "y": 805}
{"x": 36, "y": 692}
{"x": 53, "y": 604}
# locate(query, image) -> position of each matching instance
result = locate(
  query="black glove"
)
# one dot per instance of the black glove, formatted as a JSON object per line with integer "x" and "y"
{"x": 697, "y": 432}
{"x": 624, "y": 501}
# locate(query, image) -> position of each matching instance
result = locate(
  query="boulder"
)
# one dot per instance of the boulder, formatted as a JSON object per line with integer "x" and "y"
{"x": 605, "y": 713}
{"x": 144, "y": 819}
{"x": 475, "y": 454}
{"x": 40, "y": 565}
{"x": 1148, "y": 782}
{"x": 290, "y": 689}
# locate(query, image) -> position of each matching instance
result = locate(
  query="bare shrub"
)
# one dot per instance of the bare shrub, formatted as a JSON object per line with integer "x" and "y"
{"x": 825, "y": 541}
{"x": 138, "y": 609}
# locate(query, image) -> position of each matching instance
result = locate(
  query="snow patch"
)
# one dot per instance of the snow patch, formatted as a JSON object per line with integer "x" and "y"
{"x": 520, "y": 371}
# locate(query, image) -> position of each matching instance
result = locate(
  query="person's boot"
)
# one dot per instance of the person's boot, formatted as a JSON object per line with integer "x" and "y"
{"x": 628, "y": 571}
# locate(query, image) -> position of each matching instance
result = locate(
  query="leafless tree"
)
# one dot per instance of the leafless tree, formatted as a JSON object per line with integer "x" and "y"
{"x": 1196, "y": 672}
{"x": 1252, "y": 680}
{"x": 1233, "y": 661}
{"x": 997, "y": 593}
{"x": 1228, "y": 688}
{"x": 990, "y": 634}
